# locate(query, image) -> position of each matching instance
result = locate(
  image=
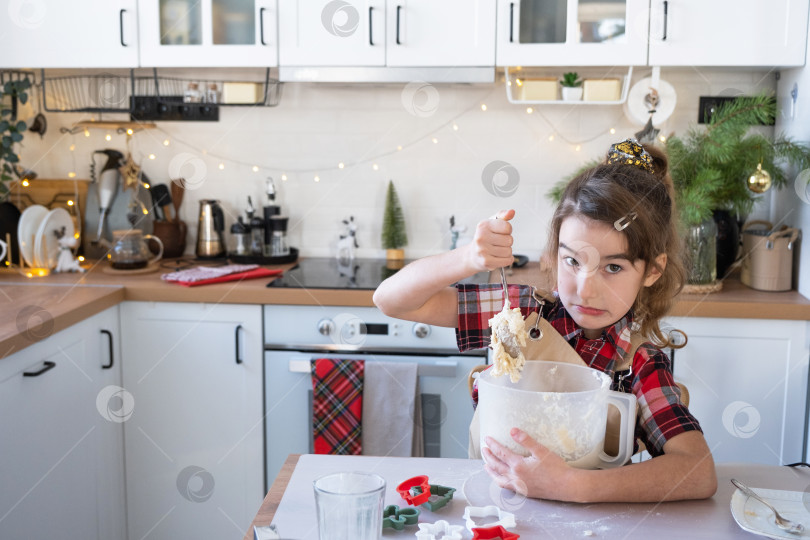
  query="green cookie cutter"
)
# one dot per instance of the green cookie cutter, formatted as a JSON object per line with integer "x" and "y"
{"x": 396, "y": 518}
{"x": 439, "y": 496}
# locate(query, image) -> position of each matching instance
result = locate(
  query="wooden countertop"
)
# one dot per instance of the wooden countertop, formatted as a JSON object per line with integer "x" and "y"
{"x": 66, "y": 299}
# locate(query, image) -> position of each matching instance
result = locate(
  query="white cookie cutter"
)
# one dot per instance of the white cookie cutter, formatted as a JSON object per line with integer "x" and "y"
{"x": 505, "y": 519}
{"x": 441, "y": 530}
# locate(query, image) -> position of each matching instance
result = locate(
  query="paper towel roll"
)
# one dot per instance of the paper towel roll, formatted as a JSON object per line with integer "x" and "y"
{"x": 637, "y": 109}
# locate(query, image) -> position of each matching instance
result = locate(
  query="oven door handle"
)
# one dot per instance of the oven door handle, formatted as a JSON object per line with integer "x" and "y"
{"x": 441, "y": 368}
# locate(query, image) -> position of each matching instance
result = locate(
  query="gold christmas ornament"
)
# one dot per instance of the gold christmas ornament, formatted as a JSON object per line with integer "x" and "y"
{"x": 760, "y": 181}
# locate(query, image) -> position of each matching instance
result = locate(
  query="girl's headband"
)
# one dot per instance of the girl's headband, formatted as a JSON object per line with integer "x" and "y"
{"x": 630, "y": 152}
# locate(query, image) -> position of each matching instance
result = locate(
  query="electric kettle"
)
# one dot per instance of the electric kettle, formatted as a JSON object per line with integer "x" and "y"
{"x": 210, "y": 242}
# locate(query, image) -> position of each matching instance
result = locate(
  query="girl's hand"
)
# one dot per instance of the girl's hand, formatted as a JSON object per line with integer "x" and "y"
{"x": 491, "y": 247}
{"x": 542, "y": 475}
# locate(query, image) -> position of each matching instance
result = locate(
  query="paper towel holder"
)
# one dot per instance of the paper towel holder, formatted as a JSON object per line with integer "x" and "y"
{"x": 640, "y": 99}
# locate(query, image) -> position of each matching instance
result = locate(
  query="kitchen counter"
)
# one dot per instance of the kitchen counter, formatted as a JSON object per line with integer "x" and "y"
{"x": 290, "y": 503}
{"x": 69, "y": 298}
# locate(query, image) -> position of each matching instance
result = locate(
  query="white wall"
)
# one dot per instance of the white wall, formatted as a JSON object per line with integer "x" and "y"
{"x": 317, "y": 126}
{"x": 791, "y": 206}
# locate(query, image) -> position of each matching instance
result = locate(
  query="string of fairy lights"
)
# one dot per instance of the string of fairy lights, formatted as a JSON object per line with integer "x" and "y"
{"x": 435, "y": 134}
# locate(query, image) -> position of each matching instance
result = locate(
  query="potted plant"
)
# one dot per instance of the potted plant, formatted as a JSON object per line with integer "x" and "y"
{"x": 571, "y": 86}
{"x": 718, "y": 172}
{"x": 11, "y": 132}
{"x": 394, "y": 237}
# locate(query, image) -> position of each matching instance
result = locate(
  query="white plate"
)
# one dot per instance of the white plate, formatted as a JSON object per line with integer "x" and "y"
{"x": 46, "y": 247}
{"x": 27, "y": 228}
{"x": 754, "y": 517}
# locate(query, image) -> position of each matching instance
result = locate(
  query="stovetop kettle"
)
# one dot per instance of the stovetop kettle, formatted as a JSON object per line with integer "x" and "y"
{"x": 211, "y": 223}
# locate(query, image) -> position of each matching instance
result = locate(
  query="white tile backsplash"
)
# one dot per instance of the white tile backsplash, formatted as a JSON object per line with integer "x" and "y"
{"x": 315, "y": 127}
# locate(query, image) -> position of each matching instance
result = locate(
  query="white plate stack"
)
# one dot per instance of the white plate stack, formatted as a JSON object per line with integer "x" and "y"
{"x": 39, "y": 245}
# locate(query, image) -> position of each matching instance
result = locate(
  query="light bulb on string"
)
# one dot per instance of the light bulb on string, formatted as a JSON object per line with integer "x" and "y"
{"x": 612, "y": 131}
{"x": 108, "y": 137}
{"x": 152, "y": 156}
{"x": 166, "y": 142}
{"x": 435, "y": 140}
{"x": 550, "y": 138}
{"x": 484, "y": 107}
{"x": 255, "y": 168}
{"x": 283, "y": 177}
{"x": 529, "y": 110}
{"x": 340, "y": 165}
{"x": 375, "y": 167}
{"x": 455, "y": 126}
{"x": 221, "y": 166}
{"x": 317, "y": 178}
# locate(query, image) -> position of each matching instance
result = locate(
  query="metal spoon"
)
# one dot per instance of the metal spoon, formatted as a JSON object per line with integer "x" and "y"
{"x": 508, "y": 339}
{"x": 782, "y": 523}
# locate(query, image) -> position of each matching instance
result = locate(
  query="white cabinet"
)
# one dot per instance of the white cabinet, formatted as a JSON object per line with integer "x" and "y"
{"x": 747, "y": 381}
{"x": 209, "y": 33}
{"x": 728, "y": 33}
{"x": 194, "y": 443}
{"x": 57, "y": 34}
{"x": 406, "y": 33}
{"x": 61, "y": 441}
{"x": 572, "y": 32}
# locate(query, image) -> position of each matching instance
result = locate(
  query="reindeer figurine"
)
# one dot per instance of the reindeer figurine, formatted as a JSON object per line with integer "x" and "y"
{"x": 65, "y": 262}
{"x": 348, "y": 241}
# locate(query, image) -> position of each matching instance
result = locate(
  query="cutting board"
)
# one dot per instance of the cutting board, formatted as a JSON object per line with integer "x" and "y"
{"x": 250, "y": 274}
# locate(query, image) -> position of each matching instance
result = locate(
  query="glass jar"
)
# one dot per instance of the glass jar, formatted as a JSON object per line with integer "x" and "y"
{"x": 700, "y": 246}
{"x": 192, "y": 94}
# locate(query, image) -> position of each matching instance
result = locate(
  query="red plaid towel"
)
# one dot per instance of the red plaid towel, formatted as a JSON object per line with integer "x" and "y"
{"x": 337, "y": 405}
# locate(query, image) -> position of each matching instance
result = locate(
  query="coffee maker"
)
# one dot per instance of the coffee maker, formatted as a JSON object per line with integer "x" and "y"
{"x": 211, "y": 223}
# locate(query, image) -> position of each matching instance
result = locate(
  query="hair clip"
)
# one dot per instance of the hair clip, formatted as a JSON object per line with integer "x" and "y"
{"x": 623, "y": 222}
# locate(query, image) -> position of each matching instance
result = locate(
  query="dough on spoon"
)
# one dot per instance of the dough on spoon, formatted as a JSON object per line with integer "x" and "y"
{"x": 508, "y": 339}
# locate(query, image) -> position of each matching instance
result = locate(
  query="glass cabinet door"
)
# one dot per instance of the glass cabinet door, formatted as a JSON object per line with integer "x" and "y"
{"x": 234, "y": 22}
{"x": 572, "y": 32}
{"x": 180, "y": 22}
{"x": 209, "y": 33}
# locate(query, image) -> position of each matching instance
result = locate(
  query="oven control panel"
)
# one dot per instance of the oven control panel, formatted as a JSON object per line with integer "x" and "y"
{"x": 351, "y": 328}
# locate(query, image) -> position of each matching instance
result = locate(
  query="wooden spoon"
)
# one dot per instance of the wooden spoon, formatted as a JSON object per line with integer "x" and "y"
{"x": 177, "y": 196}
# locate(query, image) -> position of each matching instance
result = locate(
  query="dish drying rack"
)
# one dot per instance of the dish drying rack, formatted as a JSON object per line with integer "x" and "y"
{"x": 116, "y": 93}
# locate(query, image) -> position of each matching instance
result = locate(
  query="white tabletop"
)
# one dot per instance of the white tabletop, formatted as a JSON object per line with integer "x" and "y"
{"x": 709, "y": 519}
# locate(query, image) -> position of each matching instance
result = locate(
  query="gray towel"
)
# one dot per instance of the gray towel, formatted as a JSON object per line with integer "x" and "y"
{"x": 389, "y": 409}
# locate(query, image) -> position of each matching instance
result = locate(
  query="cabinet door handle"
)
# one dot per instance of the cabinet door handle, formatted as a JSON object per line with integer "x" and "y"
{"x": 666, "y": 16}
{"x": 47, "y": 365}
{"x": 236, "y": 338}
{"x": 511, "y": 22}
{"x": 110, "y": 343}
{"x": 370, "y": 35}
{"x": 399, "y": 9}
{"x": 261, "y": 25}
{"x": 121, "y": 26}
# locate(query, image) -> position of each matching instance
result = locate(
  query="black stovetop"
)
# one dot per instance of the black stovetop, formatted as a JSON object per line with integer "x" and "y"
{"x": 329, "y": 273}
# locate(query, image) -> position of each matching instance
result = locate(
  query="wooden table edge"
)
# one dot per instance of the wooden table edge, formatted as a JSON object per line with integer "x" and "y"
{"x": 273, "y": 498}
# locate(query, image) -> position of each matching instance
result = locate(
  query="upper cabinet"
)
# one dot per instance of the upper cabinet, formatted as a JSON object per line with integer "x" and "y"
{"x": 56, "y": 34}
{"x": 391, "y": 33}
{"x": 572, "y": 32}
{"x": 209, "y": 33}
{"x": 728, "y": 33}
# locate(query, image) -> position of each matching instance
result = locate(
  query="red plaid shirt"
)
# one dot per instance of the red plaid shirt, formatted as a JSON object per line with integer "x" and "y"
{"x": 661, "y": 415}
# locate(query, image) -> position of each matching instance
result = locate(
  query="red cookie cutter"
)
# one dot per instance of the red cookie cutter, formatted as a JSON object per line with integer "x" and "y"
{"x": 490, "y": 533}
{"x": 404, "y": 489}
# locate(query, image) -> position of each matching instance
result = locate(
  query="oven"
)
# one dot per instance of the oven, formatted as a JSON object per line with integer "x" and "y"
{"x": 294, "y": 335}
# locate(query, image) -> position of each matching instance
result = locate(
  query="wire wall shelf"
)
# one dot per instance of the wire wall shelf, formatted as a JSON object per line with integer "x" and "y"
{"x": 231, "y": 93}
{"x": 111, "y": 93}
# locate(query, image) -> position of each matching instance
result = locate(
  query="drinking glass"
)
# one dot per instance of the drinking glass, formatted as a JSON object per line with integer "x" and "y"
{"x": 349, "y": 506}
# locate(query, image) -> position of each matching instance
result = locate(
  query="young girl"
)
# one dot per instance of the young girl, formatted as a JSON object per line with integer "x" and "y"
{"x": 614, "y": 251}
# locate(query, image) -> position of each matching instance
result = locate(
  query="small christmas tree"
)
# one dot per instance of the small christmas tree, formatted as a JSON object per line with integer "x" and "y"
{"x": 393, "y": 229}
